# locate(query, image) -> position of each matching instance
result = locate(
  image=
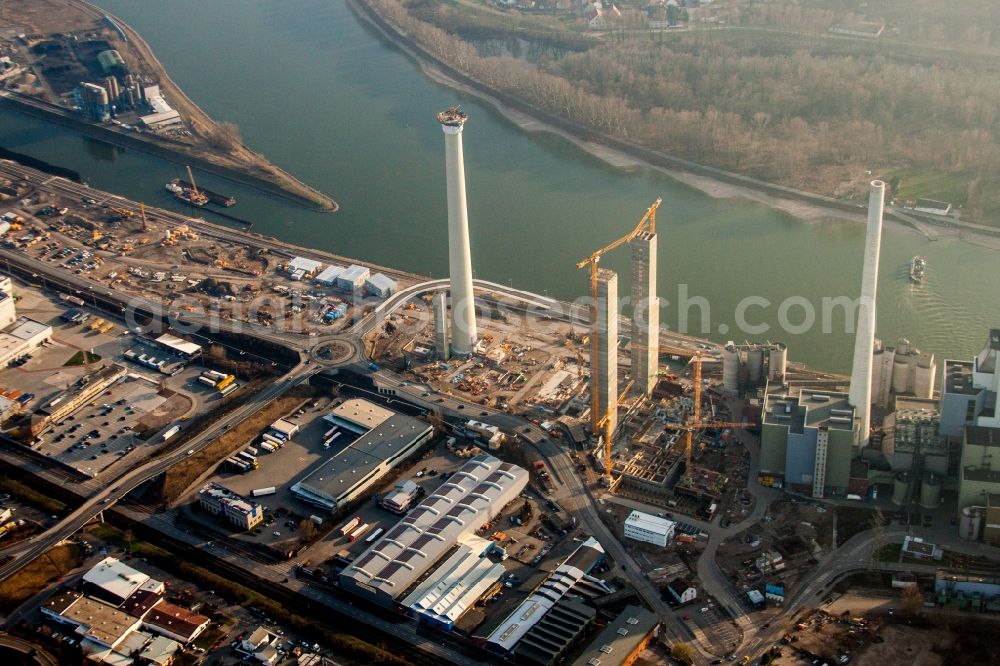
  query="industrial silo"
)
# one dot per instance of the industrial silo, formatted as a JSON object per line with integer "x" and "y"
{"x": 970, "y": 523}
{"x": 926, "y": 374}
{"x": 930, "y": 491}
{"x": 755, "y": 365}
{"x": 901, "y": 489}
{"x": 900, "y": 374}
{"x": 776, "y": 362}
{"x": 730, "y": 368}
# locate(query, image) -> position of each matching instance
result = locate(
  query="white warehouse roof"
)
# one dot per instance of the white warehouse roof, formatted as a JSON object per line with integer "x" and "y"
{"x": 651, "y": 523}
{"x": 381, "y": 282}
{"x": 355, "y": 273}
{"x": 470, "y": 497}
{"x": 303, "y": 264}
{"x": 183, "y": 346}
{"x": 116, "y": 578}
{"x": 330, "y": 274}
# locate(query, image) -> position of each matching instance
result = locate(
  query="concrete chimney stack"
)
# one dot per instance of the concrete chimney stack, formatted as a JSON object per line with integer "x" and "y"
{"x": 860, "y": 395}
{"x": 463, "y": 309}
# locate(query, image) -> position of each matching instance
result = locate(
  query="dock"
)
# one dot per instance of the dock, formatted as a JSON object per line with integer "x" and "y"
{"x": 213, "y": 197}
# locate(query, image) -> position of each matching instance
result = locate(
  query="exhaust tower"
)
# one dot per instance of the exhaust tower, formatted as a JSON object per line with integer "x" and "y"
{"x": 463, "y": 309}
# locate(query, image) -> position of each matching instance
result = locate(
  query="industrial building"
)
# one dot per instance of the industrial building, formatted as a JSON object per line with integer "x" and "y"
{"x": 649, "y": 528}
{"x": 969, "y": 395}
{"x": 174, "y": 622}
{"x": 302, "y": 268}
{"x": 750, "y": 366}
{"x": 864, "y": 342}
{"x": 902, "y": 370}
{"x": 382, "y": 439}
{"x": 22, "y": 337}
{"x": 242, "y": 512}
{"x": 353, "y": 277}
{"x": 328, "y": 277}
{"x": 93, "y": 102}
{"x": 380, "y": 285}
{"x": 910, "y": 437}
{"x": 806, "y": 442}
{"x": 622, "y": 641}
{"x": 403, "y": 494}
{"x": 505, "y": 637}
{"x": 114, "y": 582}
{"x": 102, "y": 626}
{"x": 463, "y": 307}
{"x": 429, "y": 534}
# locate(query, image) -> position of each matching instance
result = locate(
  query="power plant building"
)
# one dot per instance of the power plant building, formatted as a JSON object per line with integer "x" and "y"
{"x": 463, "y": 308}
{"x": 390, "y": 568}
{"x": 902, "y": 370}
{"x": 749, "y": 366}
{"x": 911, "y": 439}
{"x": 806, "y": 442}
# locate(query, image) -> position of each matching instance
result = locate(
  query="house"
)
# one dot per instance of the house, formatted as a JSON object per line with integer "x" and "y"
{"x": 267, "y": 655}
{"x": 260, "y": 638}
{"x": 682, "y": 591}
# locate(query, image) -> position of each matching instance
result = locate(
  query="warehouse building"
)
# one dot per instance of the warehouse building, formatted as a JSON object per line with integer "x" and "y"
{"x": 622, "y": 641}
{"x": 328, "y": 278}
{"x": 504, "y": 637}
{"x": 242, "y": 512}
{"x": 23, "y": 337}
{"x": 102, "y": 626}
{"x": 285, "y": 428}
{"x": 384, "y": 439}
{"x": 63, "y": 404}
{"x": 380, "y": 285}
{"x": 301, "y": 268}
{"x": 470, "y": 497}
{"x": 175, "y": 622}
{"x": 353, "y": 278}
{"x": 649, "y": 528}
{"x": 113, "y": 581}
{"x": 548, "y": 641}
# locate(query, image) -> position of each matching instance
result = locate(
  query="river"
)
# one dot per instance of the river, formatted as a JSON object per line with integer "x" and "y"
{"x": 326, "y": 98}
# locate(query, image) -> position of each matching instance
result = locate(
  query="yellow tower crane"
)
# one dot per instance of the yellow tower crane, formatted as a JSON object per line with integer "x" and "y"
{"x": 694, "y": 421}
{"x": 142, "y": 214}
{"x": 605, "y": 424}
{"x": 647, "y": 223}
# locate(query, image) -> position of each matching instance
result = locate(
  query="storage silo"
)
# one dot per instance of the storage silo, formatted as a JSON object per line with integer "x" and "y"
{"x": 730, "y": 368}
{"x": 777, "y": 362}
{"x": 901, "y": 374}
{"x": 970, "y": 523}
{"x": 926, "y": 375}
{"x": 930, "y": 492}
{"x": 901, "y": 489}
{"x": 755, "y": 365}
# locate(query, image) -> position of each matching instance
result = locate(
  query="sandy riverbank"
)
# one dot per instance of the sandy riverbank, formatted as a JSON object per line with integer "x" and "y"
{"x": 800, "y": 208}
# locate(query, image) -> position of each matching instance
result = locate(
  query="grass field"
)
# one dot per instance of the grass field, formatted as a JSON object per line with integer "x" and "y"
{"x": 33, "y": 578}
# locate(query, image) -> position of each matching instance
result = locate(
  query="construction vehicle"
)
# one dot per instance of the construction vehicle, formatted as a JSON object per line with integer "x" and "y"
{"x": 694, "y": 421}
{"x": 97, "y": 324}
{"x": 95, "y": 235}
{"x": 106, "y": 328}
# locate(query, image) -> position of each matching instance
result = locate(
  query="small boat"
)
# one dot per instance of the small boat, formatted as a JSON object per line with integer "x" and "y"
{"x": 918, "y": 267}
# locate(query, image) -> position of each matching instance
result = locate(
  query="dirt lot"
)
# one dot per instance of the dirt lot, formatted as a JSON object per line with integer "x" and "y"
{"x": 907, "y": 645}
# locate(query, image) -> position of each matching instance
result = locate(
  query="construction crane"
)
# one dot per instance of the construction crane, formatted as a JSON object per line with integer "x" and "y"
{"x": 142, "y": 214}
{"x": 194, "y": 185}
{"x": 647, "y": 223}
{"x": 605, "y": 424}
{"x": 694, "y": 421}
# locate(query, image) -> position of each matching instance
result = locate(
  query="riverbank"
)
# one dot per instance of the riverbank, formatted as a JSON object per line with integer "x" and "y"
{"x": 237, "y": 162}
{"x": 716, "y": 183}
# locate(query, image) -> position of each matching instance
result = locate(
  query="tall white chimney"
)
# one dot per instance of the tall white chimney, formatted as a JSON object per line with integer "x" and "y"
{"x": 860, "y": 395}
{"x": 463, "y": 309}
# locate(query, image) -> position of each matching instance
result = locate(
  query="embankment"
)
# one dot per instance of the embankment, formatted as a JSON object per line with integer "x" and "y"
{"x": 713, "y": 181}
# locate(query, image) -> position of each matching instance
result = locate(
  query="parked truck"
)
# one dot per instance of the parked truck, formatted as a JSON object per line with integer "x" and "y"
{"x": 170, "y": 433}
{"x": 353, "y": 536}
{"x": 261, "y": 492}
{"x": 349, "y": 526}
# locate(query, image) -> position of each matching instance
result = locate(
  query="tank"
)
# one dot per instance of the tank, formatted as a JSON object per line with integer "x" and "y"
{"x": 730, "y": 368}
{"x": 755, "y": 365}
{"x": 926, "y": 374}
{"x": 901, "y": 374}
{"x": 930, "y": 492}
{"x": 777, "y": 361}
{"x": 970, "y": 523}
{"x": 901, "y": 489}
{"x": 903, "y": 346}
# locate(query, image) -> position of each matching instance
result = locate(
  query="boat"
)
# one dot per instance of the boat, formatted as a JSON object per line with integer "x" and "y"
{"x": 188, "y": 195}
{"x": 918, "y": 266}
{"x": 213, "y": 197}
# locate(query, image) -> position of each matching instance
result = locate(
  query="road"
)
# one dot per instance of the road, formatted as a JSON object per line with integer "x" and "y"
{"x": 24, "y": 647}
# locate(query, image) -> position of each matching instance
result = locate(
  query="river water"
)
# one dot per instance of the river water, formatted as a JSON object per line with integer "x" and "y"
{"x": 326, "y": 98}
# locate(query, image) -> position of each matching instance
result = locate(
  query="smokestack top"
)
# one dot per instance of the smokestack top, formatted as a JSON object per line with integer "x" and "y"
{"x": 878, "y": 185}
{"x": 453, "y": 117}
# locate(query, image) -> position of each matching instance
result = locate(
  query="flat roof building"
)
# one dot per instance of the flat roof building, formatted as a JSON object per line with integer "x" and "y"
{"x": 175, "y": 622}
{"x": 328, "y": 277}
{"x": 353, "y": 277}
{"x": 243, "y": 512}
{"x": 556, "y": 633}
{"x": 622, "y": 641}
{"x": 384, "y": 439}
{"x": 99, "y": 622}
{"x": 473, "y": 495}
{"x": 114, "y": 581}
{"x": 649, "y": 528}
{"x": 806, "y": 441}
{"x": 178, "y": 346}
